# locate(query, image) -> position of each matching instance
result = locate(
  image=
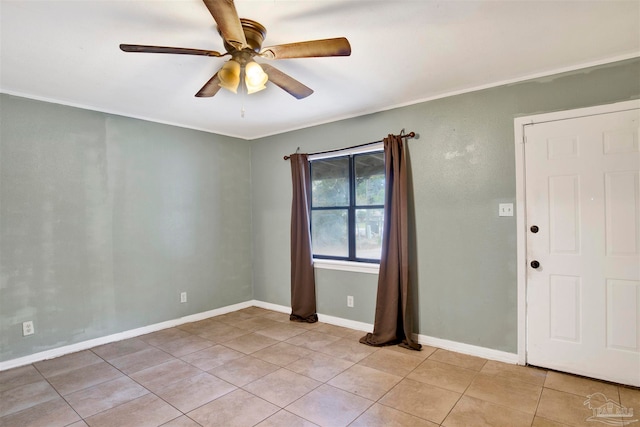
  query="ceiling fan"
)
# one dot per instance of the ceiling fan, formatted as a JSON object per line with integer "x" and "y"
{"x": 242, "y": 40}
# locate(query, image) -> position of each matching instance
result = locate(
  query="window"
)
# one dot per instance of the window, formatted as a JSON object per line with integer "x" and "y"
{"x": 347, "y": 207}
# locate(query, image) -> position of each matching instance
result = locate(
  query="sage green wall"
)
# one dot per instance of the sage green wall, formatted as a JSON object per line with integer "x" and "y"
{"x": 462, "y": 167}
{"x": 104, "y": 220}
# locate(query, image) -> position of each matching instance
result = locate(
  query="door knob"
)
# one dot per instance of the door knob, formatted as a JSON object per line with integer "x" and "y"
{"x": 535, "y": 264}
{"x": 534, "y": 229}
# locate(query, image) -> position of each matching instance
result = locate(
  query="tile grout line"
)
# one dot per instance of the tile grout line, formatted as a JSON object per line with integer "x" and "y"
{"x": 327, "y": 332}
{"x": 58, "y": 392}
{"x": 132, "y": 379}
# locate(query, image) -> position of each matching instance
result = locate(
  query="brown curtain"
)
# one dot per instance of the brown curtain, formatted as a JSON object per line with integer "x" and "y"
{"x": 393, "y": 319}
{"x": 303, "y": 285}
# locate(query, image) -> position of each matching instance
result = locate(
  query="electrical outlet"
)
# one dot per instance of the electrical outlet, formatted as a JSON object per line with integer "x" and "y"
{"x": 27, "y": 328}
{"x": 349, "y": 301}
{"x": 183, "y": 297}
{"x": 505, "y": 209}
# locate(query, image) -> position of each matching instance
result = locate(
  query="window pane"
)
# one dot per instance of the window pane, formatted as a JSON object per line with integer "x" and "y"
{"x": 329, "y": 232}
{"x": 330, "y": 182}
{"x": 369, "y": 223}
{"x": 369, "y": 179}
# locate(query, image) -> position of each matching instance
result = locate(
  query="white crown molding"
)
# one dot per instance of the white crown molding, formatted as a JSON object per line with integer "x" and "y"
{"x": 514, "y": 80}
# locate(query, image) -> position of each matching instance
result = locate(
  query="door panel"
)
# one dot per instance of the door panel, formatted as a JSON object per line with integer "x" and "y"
{"x": 623, "y": 306}
{"x": 583, "y": 193}
{"x": 564, "y": 308}
{"x": 622, "y": 207}
{"x": 564, "y": 214}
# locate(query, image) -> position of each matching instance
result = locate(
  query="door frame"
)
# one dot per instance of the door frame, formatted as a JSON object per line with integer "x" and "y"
{"x": 520, "y": 124}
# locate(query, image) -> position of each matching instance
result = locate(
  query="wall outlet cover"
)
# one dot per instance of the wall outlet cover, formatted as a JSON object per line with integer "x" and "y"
{"x": 505, "y": 209}
{"x": 27, "y": 328}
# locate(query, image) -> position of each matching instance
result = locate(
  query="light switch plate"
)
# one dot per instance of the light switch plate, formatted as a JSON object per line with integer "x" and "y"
{"x": 505, "y": 209}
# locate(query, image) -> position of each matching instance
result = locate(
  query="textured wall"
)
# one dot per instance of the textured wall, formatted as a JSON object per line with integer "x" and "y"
{"x": 104, "y": 220}
{"x": 462, "y": 167}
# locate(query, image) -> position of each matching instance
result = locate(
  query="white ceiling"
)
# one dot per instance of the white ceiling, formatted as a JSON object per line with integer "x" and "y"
{"x": 403, "y": 52}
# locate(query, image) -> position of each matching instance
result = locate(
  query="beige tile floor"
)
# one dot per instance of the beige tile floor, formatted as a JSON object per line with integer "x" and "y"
{"x": 254, "y": 367}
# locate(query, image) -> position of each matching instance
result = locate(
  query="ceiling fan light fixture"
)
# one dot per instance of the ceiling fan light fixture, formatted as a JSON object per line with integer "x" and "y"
{"x": 254, "y": 77}
{"x": 229, "y": 76}
{"x": 242, "y": 39}
{"x": 254, "y": 89}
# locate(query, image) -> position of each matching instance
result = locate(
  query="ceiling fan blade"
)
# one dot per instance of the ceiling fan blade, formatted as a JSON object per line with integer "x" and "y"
{"x": 210, "y": 88}
{"x": 226, "y": 16}
{"x": 314, "y": 48}
{"x": 164, "y": 49}
{"x": 286, "y": 82}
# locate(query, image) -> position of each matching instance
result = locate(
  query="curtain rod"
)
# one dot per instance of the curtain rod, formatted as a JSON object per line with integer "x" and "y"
{"x": 409, "y": 135}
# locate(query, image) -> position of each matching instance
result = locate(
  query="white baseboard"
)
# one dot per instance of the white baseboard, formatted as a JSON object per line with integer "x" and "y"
{"x": 458, "y": 347}
{"x": 346, "y": 323}
{"x": 272, "y": 307}
{"x": 324, "y": 318}
{"x": 472, "y": 350}
{"x": 486, "y": 353}
{"x": 84, "y": 345}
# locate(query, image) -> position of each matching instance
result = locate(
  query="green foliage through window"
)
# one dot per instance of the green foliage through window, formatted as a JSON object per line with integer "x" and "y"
{"x": 347, "y": 207}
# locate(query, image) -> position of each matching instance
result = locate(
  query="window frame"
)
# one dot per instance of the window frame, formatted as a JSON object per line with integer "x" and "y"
{"x": 351, "y": 261}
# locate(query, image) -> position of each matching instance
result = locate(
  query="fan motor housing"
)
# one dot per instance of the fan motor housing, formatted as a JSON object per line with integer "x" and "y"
{"x": 254, "y": 32}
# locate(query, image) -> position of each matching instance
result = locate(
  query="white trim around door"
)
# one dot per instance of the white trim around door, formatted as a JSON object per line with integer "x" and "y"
{"x": 521, "y": 245}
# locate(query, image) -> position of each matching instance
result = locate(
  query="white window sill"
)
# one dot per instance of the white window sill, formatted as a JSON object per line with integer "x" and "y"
{"x": 358, "y": 267}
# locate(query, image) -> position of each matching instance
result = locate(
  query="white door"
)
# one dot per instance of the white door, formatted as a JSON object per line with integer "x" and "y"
{"x": 583, "y": 280}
